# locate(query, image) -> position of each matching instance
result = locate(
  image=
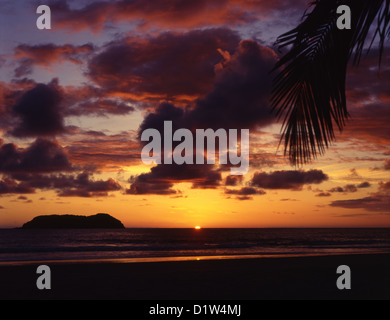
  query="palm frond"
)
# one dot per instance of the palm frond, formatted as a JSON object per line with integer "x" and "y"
{"x": 309, "y": 89}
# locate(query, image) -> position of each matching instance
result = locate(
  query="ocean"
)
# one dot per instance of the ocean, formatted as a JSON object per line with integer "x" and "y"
{"x": 135, "y": 245}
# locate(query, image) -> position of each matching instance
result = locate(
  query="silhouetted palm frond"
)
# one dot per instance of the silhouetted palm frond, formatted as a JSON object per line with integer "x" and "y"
{"x": 309, "y": 90}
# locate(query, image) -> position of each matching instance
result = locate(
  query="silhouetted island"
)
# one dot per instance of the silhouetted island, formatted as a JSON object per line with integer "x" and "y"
{"x": 67, "y": 221}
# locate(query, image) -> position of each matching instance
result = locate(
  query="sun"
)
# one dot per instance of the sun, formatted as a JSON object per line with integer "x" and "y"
{"x": 198, "y": 228}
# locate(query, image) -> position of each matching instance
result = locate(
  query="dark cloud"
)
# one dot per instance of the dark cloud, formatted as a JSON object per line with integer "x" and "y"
{"x": 164, "y": 112}
{"x": 242, "y": 198}
{"x": 336, "y": 189}
{"x": 85, "y": 186}
{"x": 80, "y": 185}
{"x": 8, "y": 186}
{"x": 10, "y": 94}
{"x": 208, "y": 179}
{"x": 144, "y": 186}
{"x": 376, "y": 202}
{"x": 161, "y": 179}
{"x": 365, "y": 184}
{"x": 41, "y": 156}
{"x": 233, "y": 180}
{"x": 371, "y": 203}
{"x": 245, "y": 193}
{"x": 293, "y": 180}
{"x": 346, "y": 188}
{"x": 38, "y": 112}
{"x": 240, "y": 98}
{"x": 350, "y": 187}
{"x": 29, "y": 109}
{"x": 323, "y": 194}
{"x": 172, "y": 66}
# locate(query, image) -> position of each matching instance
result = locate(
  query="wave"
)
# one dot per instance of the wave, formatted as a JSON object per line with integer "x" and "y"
{"x": 181, "y": 248}
{"x": 76, "y": 244}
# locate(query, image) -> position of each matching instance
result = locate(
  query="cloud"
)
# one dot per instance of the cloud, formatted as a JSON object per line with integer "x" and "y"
{"x": 86, "y": 100}
{"x": 293, "y": 180}
{"x": 365, "y": 184}
{"x": 41, "y": 156}
{"x": 85, "y": 186}
{"x": 239, "y": 99}
{"x": 144, "y": 186}
{"x": 28, "y": 56}
{"x": 69, "y": 185}
{"x": 100, "y": 150}
{"x": 38, "y": 112}
{"x": 161, "y": 179}
{"x": 30, "y": 109}
{"x": 375, "y": 202}
{"x": 178, "y": 66}
{"x": 165, "y": 14}
{"x": 233, "y": 180}
{"x": 8, "y": 185}
{"x": 371, "y": 203}
{"x": 323, "y": 194}
{"x": 350, "y": 187}
{"x": 245, "y": 193}
{"x": 42, "y": 165}
{"x": 336, "y": 189}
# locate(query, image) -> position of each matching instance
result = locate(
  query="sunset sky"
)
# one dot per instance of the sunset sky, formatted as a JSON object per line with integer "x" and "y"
{"x": 74, "y": 99}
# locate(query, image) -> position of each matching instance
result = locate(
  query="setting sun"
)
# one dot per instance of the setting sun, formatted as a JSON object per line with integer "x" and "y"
{"x": 198, "y": 228}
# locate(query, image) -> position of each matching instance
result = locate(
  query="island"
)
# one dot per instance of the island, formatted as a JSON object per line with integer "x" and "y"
{"x": 68, "y": 221}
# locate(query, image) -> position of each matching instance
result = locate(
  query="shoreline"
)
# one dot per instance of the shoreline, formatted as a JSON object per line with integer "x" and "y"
{"x": 181, "y": 258}
{"x": 280, "y": 278}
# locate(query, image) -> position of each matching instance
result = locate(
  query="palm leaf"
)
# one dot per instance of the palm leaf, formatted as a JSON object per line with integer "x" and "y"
{"x": 309, "y": 89}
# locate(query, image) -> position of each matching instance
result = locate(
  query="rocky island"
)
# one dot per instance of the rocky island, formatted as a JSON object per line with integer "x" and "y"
{"x": 67, "y": 221}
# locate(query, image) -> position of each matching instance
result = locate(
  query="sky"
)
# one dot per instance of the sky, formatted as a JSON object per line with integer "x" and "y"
{"x": 74, "y": 100}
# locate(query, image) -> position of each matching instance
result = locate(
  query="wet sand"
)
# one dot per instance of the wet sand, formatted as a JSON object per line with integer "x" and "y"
{"x": 234, "y": 279}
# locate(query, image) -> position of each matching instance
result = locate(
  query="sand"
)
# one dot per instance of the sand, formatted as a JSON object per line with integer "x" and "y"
{"x": 235, "y": 279}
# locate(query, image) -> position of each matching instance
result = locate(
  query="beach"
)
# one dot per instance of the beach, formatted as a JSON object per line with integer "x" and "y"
{"x": 307, "y": 277}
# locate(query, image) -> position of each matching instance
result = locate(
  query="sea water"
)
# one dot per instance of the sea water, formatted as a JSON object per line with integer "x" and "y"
{"x": 134, "y": 245}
